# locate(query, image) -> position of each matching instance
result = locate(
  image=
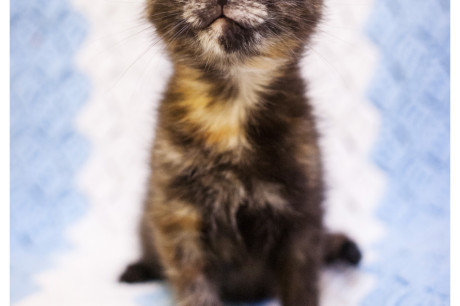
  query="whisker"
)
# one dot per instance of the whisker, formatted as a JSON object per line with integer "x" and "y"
{"x": 129, "y": 67}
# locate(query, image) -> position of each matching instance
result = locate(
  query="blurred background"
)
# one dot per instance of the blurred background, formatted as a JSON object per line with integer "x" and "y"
{"x": 86, "y": 77}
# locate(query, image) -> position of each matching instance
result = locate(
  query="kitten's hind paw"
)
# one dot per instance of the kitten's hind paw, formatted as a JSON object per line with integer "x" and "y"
{"x": 139, "y": 273}
{"x": 340, "y": 248}
{"x": 351, "y": 253}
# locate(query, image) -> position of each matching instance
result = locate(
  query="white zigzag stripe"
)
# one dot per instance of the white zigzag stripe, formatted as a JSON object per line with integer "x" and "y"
{"x": 127, "y": 79}
{"x": 340, "y": 66}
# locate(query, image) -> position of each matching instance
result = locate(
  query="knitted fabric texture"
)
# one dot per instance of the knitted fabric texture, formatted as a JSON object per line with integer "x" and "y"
{"x": 384, "y": 110}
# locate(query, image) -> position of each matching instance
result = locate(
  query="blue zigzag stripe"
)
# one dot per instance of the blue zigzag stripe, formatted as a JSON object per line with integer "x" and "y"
{"x": 46, "y": 152}
{"x": 412, "y": 91}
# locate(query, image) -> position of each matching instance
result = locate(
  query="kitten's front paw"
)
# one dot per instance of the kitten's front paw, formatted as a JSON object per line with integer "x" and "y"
{"x": 203, "y": 300}
{"x": 199, "y": 294}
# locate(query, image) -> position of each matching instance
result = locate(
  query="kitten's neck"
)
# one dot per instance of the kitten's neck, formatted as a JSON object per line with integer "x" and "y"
{"x": 237, "y": 83}
{"x": 215, "y": 106}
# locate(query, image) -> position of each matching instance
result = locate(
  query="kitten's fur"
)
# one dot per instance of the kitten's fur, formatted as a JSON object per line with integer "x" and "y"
{"x": 234, "y": 204}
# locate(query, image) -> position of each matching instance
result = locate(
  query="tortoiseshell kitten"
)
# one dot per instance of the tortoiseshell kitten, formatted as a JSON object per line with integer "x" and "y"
{"x": 233, "y": 211}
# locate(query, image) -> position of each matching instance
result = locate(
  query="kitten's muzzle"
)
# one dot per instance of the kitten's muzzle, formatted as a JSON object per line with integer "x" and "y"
{"x": 223, "y": 16}
{"x": 248, "y": 14}
{"x": 222, "y": 2}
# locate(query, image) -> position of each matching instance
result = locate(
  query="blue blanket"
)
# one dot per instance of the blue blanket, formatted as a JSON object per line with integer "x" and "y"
{"x": 410, "y": 89}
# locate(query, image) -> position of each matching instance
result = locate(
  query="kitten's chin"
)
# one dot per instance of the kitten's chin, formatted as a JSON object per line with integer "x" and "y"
{"x": 219, "y": 25}
{"x": 223, "y": 26}
{"x": 224, "y": 36}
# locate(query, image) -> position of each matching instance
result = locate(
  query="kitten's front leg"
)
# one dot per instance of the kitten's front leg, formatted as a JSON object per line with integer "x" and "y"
{"x": 177, "y": 230}
{"x": 299, "y": 265}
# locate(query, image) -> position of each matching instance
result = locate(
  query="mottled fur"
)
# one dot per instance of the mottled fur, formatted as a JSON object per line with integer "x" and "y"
{"x": 234, "y": 204}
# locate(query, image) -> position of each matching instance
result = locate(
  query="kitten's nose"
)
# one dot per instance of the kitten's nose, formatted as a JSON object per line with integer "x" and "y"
{"x": 222, "y": 2}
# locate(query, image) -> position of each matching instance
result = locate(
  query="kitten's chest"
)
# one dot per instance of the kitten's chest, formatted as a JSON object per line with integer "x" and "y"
{"x": 241, "y": 213}
{"x": 251, "y": 230}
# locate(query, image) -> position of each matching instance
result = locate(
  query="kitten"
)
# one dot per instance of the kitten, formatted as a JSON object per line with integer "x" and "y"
{"x": 233, "y": 211}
